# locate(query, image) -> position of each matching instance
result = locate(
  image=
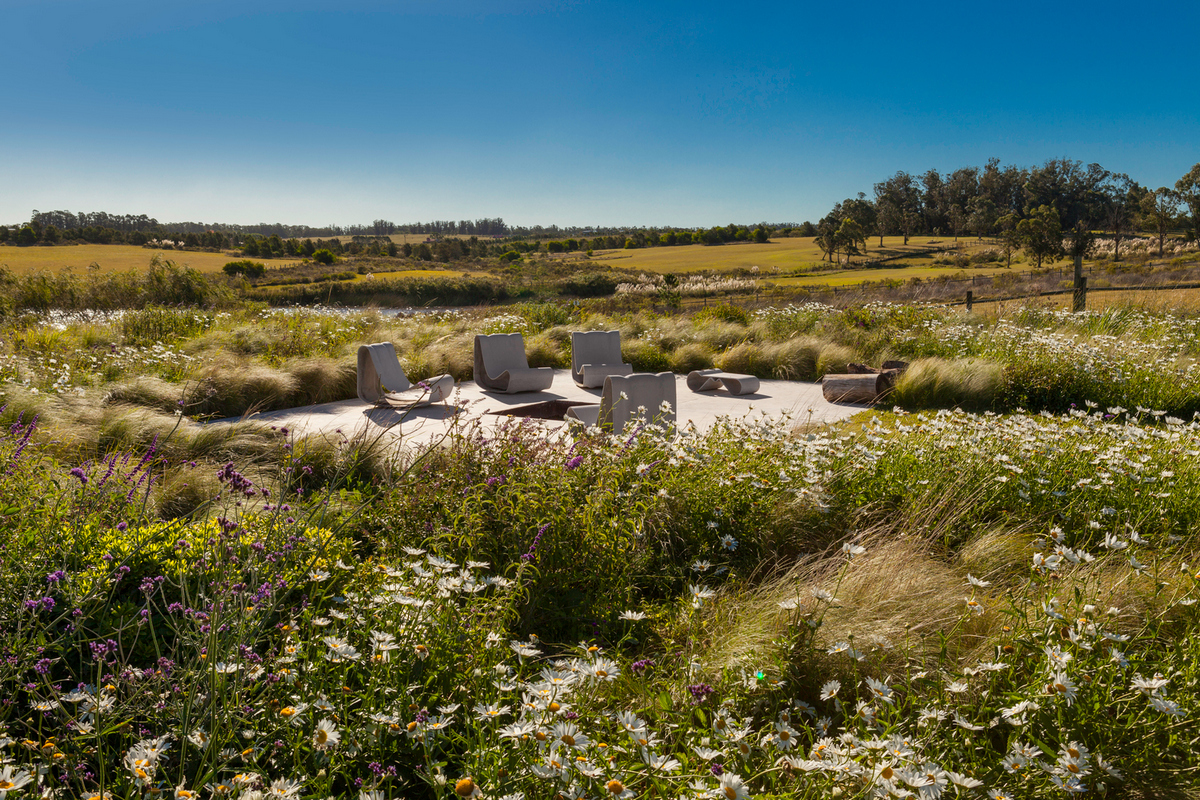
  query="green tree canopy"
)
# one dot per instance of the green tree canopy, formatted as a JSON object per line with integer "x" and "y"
{"x": 1040, "y": 234}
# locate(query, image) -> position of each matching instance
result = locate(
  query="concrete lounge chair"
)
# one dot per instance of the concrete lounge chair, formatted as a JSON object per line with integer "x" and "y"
{"x": 501, "y": 366}
{"x": 622, "y": 398}
{"x": 594, "y": 356}
{"x": 381, "y": 381}
{"x": 709, "y": 380}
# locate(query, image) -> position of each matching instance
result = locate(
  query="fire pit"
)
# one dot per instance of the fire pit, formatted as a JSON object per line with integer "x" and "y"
{"x": 547, "y": 409}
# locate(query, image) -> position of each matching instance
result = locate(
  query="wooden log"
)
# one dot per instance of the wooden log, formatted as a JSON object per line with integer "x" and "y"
{"x": 860, "y": 369}
{"x": 854, "y": 388}
{"x": 896, "y": 365}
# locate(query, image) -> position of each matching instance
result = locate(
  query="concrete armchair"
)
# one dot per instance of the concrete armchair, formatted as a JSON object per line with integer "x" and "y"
{"x": 501, "y": 365}
{"x": 594, "y": 356}
{"x": 625, "y": 399}
{"x": 382, "y": 382}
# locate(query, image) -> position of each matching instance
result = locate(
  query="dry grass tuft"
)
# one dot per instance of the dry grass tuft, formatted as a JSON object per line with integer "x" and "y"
{"x": 794, "y": 359}
{"x": 970, "y": 384}
{"x": 148, "y": 391}
{"x": 833, "y": 360}
{"x": 688, "y": 357}
{"x": 746, "y": 358}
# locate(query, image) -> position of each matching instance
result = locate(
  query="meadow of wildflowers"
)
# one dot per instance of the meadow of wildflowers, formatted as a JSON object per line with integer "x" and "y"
{"x": 917, "y": 605}
{"x": 992, "y": 602}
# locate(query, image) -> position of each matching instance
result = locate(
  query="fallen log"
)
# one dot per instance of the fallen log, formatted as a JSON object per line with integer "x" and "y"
{"x": 864, "y": 389}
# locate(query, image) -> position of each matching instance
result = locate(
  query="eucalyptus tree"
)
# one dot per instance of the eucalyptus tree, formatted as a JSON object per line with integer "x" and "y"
{"x": 1188, "y": 189}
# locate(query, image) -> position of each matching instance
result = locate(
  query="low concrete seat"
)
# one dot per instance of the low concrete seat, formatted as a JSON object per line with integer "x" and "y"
{"x": 594, "y": 356}
{"x": 382, "y": 382}
{"x": 501, "y": 365}
{"x": 625, "y": 399}
{"x": 710, "y": 380}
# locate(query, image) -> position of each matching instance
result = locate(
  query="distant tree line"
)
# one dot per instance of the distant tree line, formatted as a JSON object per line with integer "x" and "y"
{"x": 1037, "y": 209}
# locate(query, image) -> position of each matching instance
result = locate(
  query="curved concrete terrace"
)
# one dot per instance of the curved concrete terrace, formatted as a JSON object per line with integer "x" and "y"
{"x": 803, "y": 401}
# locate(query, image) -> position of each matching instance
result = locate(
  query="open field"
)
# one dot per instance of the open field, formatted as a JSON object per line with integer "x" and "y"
{"x": 1180, "y": 301}
{"x": 991, "y": 605}
{"x": 850, "y": 277}
{"x": 109, "y": 258}
{"x": 783, "y": 255}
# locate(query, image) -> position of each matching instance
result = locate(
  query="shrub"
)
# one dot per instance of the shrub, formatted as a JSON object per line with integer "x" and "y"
{"x": 590, "y": 284}
{"x": 324, "y": 256}
{"x": 726, "y": 312}
{"x": 251, "y": 269}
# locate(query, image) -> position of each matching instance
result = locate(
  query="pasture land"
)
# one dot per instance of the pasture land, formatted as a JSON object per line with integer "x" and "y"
{"x": 108, "y": 258}
{"x": 782, "y": 255}
{"x": 851, "y": 277}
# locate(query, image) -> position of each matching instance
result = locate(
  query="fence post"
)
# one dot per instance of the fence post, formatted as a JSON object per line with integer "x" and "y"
{"x": 970, "y": 299}
{"x": 1079, "y": 300}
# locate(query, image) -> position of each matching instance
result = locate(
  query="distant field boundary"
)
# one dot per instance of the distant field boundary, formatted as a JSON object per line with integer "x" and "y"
{"x": 1089, "y": 290}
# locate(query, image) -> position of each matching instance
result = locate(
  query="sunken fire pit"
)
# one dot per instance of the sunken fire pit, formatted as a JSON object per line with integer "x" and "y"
{"x": 547, "y": 409}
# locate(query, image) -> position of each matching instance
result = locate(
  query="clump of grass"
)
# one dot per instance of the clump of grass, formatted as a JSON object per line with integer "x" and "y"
{"x": 746, "y": 358}
{"x": 148, "y": 391}
{"x": 235, "y": 387}
{"x": 793, "y": 359}
{"x": 544, "y": 351}
{"x": 688, "y": 357}
{"x": 644, "y": 356}
{"x": 448, "y": 356}
{"x": 323, "y": 380}
{"x": 970, "y": 384}
{"x": 186, "y": 491}
{"x": 833, "y": 359}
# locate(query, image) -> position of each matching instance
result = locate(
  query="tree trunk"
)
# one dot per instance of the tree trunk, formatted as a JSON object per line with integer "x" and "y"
{"x": 855, "y": 388}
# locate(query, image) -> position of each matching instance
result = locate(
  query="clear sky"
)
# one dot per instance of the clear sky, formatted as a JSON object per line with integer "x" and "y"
{"x": 577, "y": 113}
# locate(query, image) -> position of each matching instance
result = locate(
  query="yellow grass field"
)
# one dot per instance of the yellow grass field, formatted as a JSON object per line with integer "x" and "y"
{"x": 849, "y": 277}
{"x": 109, "y": 258}
{"x": 1157, "y": 300}
{"x": 782, "y": 255}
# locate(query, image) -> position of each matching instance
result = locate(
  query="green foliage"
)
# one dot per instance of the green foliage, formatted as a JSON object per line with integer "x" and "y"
{"x": 324, "y": 256}
{"x": 251, "y": 269}
{"x": 726, "y": 312}
{"x": 589, "y": 284}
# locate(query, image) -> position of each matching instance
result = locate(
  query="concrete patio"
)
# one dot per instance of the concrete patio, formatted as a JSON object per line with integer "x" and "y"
{"x": 803, "y": 401}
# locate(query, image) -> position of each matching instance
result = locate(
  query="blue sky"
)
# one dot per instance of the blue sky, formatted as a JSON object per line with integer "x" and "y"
{"x": 610, "y": 113}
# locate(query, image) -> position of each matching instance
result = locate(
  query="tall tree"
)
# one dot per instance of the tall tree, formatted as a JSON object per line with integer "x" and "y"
{"x": 1188, "y": 188}
{"x": 898, "y": 204}
{"x": 827, "y": 238}
{"x": 863, "y": 212}
{"x": 1117, "y": 214}
{"x": 1160, "y": 212}
{"x": 850, "y": 235}
{"x": 1004, "y": 187}
{"x": 1010, "y": 237}
{"x": 935, "y": 204}
{"x": 983, "y": 216}
{"x": 1040, "y": 234}
{"x": 1075, "y": 191}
